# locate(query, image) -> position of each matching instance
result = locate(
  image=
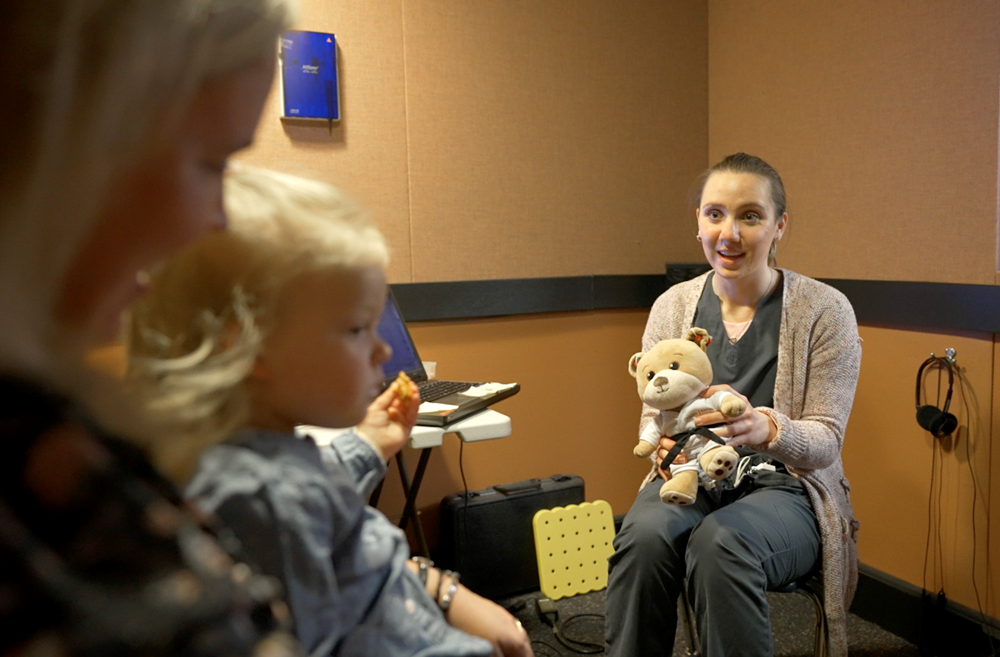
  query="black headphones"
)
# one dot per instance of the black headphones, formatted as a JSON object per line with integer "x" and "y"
{"x": 939, "y": 422}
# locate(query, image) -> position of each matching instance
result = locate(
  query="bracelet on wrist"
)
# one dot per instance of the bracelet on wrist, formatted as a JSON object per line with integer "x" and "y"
{"x": 424, "y": 564}
{"x": 444, "y": 600}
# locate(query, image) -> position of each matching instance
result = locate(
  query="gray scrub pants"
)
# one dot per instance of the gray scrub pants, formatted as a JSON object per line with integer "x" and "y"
{"x": 729, "y": 552}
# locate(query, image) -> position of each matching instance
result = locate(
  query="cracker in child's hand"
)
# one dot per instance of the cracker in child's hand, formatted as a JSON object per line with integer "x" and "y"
{"x": 402, "y": 387}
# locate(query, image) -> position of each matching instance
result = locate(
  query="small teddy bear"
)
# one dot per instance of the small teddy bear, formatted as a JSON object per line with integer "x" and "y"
{"x": 671, "y": 377}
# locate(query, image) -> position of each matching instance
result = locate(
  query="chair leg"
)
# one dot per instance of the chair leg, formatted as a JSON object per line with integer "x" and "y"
{"x": 694, "y": 648}
{"x": 820, "y": 640}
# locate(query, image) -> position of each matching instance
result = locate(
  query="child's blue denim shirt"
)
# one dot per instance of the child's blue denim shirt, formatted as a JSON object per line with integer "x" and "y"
{"x": 300, "y": 513}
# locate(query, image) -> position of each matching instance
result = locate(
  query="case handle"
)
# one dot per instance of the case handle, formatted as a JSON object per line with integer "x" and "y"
{"x": 519, "y": 487}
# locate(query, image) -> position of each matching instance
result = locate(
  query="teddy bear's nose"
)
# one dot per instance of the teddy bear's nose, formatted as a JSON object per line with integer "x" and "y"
{"x": 661, "y": 382}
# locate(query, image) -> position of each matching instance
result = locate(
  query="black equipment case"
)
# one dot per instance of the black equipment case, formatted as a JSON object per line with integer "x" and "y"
{"x": 486, "y": 535}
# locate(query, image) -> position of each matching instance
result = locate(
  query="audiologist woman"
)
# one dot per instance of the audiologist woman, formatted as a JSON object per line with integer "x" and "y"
{"x": 789, "y": 346}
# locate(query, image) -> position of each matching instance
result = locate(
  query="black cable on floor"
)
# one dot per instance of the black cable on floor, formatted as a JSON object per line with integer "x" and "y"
{"x": 548, "y": 646}
{"x": 581, "y": 647}
{"x": 549, "y": 614}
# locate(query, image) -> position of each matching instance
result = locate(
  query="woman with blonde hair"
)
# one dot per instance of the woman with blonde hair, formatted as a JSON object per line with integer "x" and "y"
{"x": 119, "y": 117}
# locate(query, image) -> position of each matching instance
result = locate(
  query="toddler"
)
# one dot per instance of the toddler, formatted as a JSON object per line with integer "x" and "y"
{"x": 269, "y": 325}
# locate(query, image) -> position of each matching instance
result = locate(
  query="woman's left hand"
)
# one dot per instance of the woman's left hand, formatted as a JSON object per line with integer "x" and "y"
{"x": 751, "y": 429}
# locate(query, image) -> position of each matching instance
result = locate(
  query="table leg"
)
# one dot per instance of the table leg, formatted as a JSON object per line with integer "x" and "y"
{"x": 376, "y": 494}
{"x": 411, "y": 490}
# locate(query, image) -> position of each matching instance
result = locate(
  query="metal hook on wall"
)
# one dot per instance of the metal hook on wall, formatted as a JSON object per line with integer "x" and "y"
{"x": 949, "y": 355}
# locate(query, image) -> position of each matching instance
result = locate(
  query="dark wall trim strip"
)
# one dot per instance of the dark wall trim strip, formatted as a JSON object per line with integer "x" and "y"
{"x": 935, "y": 624}
{"x": 524, "y": 296}
{"x": 938, "y": 305}
{"x": 932, "y": 305}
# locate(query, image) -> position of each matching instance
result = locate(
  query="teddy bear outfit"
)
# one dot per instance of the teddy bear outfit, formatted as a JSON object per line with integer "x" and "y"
{"x": 817, "y": 359}
{"x": 671, "y": 423}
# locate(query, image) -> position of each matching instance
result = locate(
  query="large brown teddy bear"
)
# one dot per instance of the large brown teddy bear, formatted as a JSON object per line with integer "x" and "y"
{"x": 671, "y": 377}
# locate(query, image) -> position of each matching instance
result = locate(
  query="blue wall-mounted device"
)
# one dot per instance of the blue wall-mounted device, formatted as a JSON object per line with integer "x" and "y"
{"x": 309, "y": 82}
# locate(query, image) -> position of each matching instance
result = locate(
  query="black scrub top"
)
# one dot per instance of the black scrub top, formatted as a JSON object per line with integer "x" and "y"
{"x": 750, "y": 365}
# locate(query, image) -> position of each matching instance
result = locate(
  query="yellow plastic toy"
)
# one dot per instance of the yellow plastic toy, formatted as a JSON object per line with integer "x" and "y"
{"x": 572, "y": 544}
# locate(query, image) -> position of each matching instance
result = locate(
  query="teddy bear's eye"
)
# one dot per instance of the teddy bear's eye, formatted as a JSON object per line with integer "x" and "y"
{"x": 674, "y": 365}
{"x": 650, "y": 375}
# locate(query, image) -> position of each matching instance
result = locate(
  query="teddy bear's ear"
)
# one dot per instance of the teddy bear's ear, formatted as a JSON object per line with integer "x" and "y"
{"x": 633, "y": 363}
{"x": 700, "y": 337}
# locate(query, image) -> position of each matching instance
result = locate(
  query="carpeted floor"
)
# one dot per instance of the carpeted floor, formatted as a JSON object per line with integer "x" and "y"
{"x": 792, "y": 619}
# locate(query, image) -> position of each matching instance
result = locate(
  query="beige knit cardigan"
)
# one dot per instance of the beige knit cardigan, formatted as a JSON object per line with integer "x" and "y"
{"x": 819, "y": 356}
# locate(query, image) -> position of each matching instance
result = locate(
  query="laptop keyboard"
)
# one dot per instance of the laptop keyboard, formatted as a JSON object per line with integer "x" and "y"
{"x": 436, "y": 389}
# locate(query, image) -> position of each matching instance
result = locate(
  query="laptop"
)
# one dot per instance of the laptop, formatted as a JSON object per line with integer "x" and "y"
{"x": 442, "y": 402}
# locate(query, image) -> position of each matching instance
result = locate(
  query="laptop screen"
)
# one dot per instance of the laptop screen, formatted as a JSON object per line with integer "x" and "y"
{"x": 392, "y": 329}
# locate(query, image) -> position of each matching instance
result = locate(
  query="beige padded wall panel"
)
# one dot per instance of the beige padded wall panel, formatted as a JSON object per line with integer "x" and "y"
{"x": 882, "y": 119}
{"x": 366, "y": 153}
{"x": 553, "y": 138}
{"x": 888, "y": 458}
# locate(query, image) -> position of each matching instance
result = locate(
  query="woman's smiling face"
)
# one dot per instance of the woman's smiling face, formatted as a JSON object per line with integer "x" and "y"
{"x": 736, "y": 224}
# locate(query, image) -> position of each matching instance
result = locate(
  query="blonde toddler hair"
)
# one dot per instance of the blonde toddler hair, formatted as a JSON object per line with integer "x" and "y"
{"x": 195, "y": 338}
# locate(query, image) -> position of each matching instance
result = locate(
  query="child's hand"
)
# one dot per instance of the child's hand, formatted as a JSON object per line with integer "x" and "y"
{"x": 478, "y": 616}
{"x": 474, "y": 614}
{"x": 391, "y": 417}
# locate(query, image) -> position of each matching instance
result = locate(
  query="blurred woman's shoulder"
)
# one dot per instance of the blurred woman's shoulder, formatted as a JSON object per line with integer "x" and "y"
{"x": 98, "y": 553}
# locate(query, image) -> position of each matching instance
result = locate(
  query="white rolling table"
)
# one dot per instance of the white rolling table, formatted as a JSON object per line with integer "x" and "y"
{"x": 485, "y": 425}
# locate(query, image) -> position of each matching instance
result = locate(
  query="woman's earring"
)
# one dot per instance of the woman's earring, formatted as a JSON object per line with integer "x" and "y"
{"x": 697, "y": 236}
